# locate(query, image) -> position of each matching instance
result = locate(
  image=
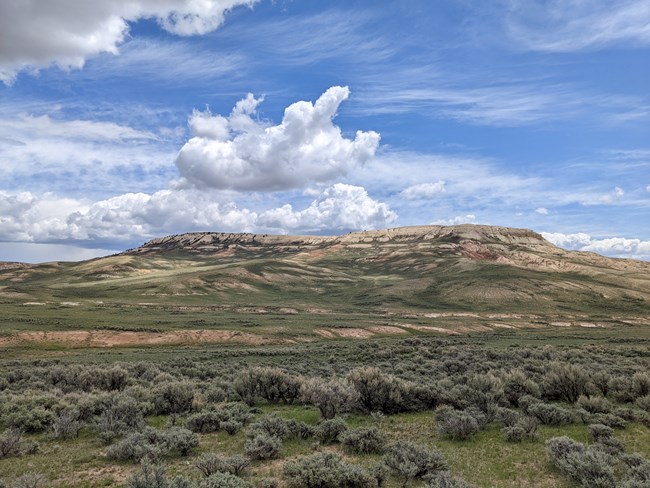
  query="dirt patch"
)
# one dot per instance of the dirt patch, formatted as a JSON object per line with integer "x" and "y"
{"x": 351, "y": 333}
{"x": 324, "y": 333}
{"x": 128, "y": 338}
{"x": 561, "y": 324}
{"x": 386, "y": 329}
{"x": 113, "y": 474}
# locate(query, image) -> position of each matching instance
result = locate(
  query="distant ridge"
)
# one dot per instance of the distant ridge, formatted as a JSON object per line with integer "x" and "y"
{"x": 461, "y": 268}
{"x": 199, "y": 242}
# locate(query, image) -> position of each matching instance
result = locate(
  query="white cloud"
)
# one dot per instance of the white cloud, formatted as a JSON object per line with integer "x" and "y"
{"x": 339, "y": 207}
{"x": 647, "y": 188}
{"x": 616, "y": 194}
{"x": 573, "y": 25}
{"x": 458, "y": 220}
{"x": 423, "y": 190}
{"x": 541, "y": 211}
{"x": 241, "y": 153}
{"x": 27, "y": 217}
{"x": 44, "y": 126}
{"x": 37, "y": 33}
{"x": 568, "y": 241}
{"x": 56, "y": 154}
{"x": 613, "y": 246}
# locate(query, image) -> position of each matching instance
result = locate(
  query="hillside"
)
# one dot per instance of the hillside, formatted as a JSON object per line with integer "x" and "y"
{"x": 459, "y": 268}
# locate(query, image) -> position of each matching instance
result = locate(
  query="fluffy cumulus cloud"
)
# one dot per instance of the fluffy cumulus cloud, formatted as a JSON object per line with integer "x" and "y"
{"x": 27, "y": 217}
{"x": 613, "y": 246}
{"x": 339, "y": 207}
{"x": 423, "y": 190}
{"x": 36, "y": 33}
{"x": 239, "y": 152}
{"x": 541, "y": 210}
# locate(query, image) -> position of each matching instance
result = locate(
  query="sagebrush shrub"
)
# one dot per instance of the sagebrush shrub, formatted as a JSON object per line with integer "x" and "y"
{"x": 30, "y": 480}
{"x": 324, "y": 470}
{"x": 644, "y": 403}
{"x": 364, "y": 440}
{"x": 181, "y": 440}
{"x": 588, "y": 467}
{"x": 565, "y": 382}
{"x": 153, "y": 444}
{"x": 594, "y": 404}
{"x": 150, "y": 476}
{"x": 377, "y": 391}
{"x": 455, "y": 424}
{"x": 263, "y": 446}
{"x": 330, "y": 397}
{"x": 11, "y": 442}
{"x": 224, "y": 480}
{"x": 211, "y": 463}
{"x": 174, "y": 397}
{"x": 328, "y": 431}
{"x": 517, "y": 384}
{"x": 549, "y": 414}
{"x": 66, "y": 424}
{"x": 524, "y": 429}
{"x": 412, "y": 461}
{"x": 30, "y": 419}
{"x": 271, "y": 384}
{"x": 446, "y": 480}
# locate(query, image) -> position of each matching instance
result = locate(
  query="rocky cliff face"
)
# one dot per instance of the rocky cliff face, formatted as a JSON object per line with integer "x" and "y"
{"x": 209, "y": 242}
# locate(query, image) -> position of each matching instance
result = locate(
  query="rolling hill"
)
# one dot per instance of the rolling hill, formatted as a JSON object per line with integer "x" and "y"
{"x": 432, "y": 268}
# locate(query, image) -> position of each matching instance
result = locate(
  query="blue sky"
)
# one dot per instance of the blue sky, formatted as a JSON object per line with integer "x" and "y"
{"x": 123, "y": 121}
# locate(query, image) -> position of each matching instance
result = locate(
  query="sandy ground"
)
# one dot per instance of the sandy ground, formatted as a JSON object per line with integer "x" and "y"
{"x": 110, "y": 339}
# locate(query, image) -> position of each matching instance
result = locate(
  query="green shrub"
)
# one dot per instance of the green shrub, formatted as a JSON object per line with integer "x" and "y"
{"x": 330, "y": 397}
{"x": 30, "y": 419}
{"x": 455, "y": 424}
{"x": 121, "y": 414}
{"x": 324, "y": 470}
{"x": 204, "y": 422}
{"x": 150, "y": 476}
{"x": 364, "y": 440}
{"x": 11, "y": 442}
{"x": 181, "y": 440}
{"x": 224, "y": 480}
{"x": 211, "y": 463}
{"x": 549, "y": 414}
{"x": 517, "y": 384}
{"x": 524, "y": 429}
{"x": 174, "y": 397}
{"x": 30, "y": 480}
{"x": 607, "y": 419}
{"x": 231, "y": 426}
{"x": 66, "y": 424}
{"x": 271, "y": 384}
{"x": 414, "y": 461}
{"x": 153, "y": 444}
{"x": 377, "y": 392}
{"x": 263, "y": 446}
{"x": 446, "y": 480}
{"x": 588, "y": 467}
{"x": 565, "y": 382}
{"x": 328, "y": 431}
{"x": 644, "y": 403}
{"x": 594, "y": 404}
